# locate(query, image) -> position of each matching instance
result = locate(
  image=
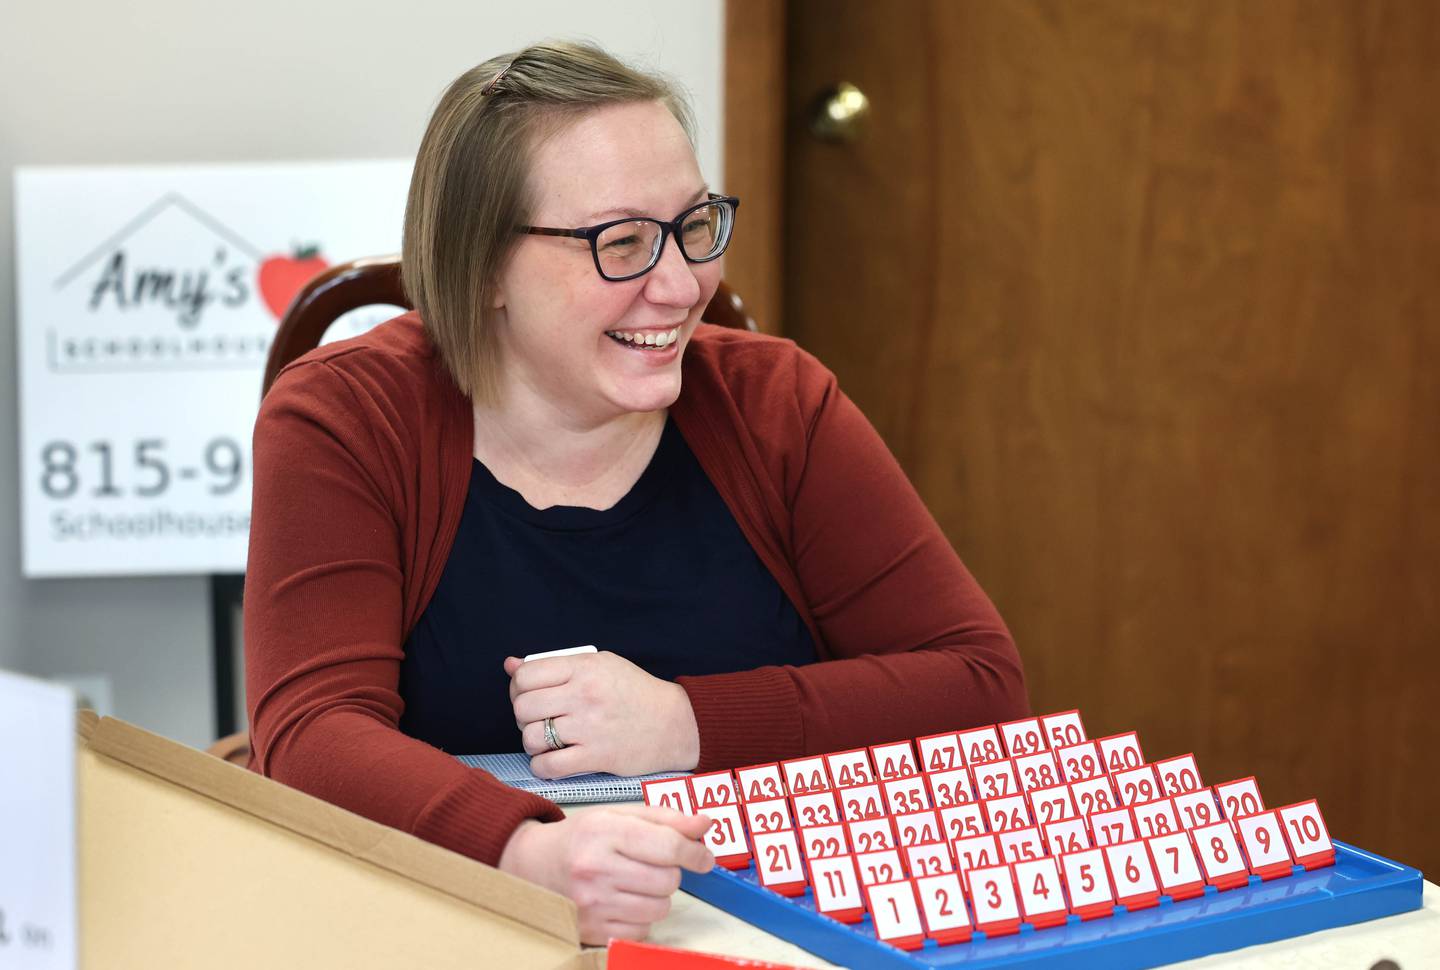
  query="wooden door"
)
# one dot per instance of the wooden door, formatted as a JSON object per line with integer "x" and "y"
{"x": 1145, "y": 296}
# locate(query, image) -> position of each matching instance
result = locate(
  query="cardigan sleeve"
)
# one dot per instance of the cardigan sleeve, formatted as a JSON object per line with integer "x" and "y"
{"x": 323, "y": 624}
{"x": 912, "y": 644}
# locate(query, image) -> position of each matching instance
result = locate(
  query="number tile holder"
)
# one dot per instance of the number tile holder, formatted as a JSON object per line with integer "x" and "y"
{"x": 1360, "y": 886}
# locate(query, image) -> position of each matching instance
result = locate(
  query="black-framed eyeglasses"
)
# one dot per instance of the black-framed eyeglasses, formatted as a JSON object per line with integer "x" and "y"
{"x": 627, "y": 248}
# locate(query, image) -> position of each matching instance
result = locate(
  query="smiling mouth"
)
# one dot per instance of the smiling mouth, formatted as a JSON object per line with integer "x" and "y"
{"x": 650, "y": 340}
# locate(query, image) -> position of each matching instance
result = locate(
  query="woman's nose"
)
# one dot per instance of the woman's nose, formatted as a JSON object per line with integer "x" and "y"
{"x": 672, "y": 282}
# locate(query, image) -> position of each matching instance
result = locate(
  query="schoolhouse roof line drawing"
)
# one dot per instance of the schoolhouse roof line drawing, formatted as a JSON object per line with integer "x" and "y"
{"x": 154, "y": 209}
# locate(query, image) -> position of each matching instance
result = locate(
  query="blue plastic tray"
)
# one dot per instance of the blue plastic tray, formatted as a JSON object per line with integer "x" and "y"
{"x": 1360, "y": 886}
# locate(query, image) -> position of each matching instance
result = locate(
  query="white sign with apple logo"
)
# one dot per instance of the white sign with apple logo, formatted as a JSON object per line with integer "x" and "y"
{"x": 148, "y": 299}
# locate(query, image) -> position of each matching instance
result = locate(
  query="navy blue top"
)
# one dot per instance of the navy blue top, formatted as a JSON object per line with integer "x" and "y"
{"x": 664, "y": 578}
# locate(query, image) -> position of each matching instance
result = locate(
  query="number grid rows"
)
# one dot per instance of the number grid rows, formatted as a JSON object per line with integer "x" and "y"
{"x": 1025, "y": 822}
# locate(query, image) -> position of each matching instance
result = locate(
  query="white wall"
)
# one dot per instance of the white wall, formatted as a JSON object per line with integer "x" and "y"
{"x": 174, "y": 81}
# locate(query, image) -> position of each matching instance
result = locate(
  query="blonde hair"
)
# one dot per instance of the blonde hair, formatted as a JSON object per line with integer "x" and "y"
{"x": 470, "y": 186}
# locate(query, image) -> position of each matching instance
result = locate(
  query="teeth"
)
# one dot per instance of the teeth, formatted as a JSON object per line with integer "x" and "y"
{"x": 651, "y": 339}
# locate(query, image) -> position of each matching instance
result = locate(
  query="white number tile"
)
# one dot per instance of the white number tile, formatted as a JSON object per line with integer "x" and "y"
{"x": 1121, "y": 752}
{"x": 929, "y": 858}
{"x": 1264, "y": 844}
{"x": 912, "y": 828}
{"x": 1094, "y": 795}
{"x": 760, "y": 781}
{"x": 1037, "y": 770}
{"x": 981, "y": 746}
{"x": 1087, "y": 881}
{"x": 1020, "y": 845}
{"x": 1023, "y": 737}
{"x": 1050, "y": 805}
{"x": 1136, "y": 785}
{"x": 995, "y": 780}
{"x": 1072, "y": 835}
{"x": 906, "y": 794}
{"x": 849, "y": 768}
{"x": 1064, "y": 729}
{"x": 879, "y": 867}
{"x": 714, "y": 788}
{"x": 770, "y": 815}
{"x": 726, "y": 838}
{"x": 975, "y": 851}
{"x": 816, "y": 809}
{"x": 1080, "y": 762}
{"x": 860, "y": 802}
{"x": 940, "y": 752}
{"x": 896, "y": 914}
{"x": 824, "y": 841}
{"x": 1133, "y": 874}
{"x": 1240, "y": 797}
{"x": 1156, "y": 818}
{"x": 894, "y": 760}
{"x": 1175, "y": 866}
{"x": 992, "y": 894}
{"x": 1179, "y": 775}
{"x": 778, "y": 863}
{"x": 837, "y": 888}
{"x": 1113, "y": 827}
{"x": 1004, "y": 814}
{"x": 1041, "y": 892}
{"x": 805, "y": 775}
{"x": 1220, "y": 858}
{"x": 871, "y": 834}
{"x": 949, "y": 788}
{"x": 947, "y": 920}
{"x": 1308, "y": 837}
{"x": 962, "y": 821}
{"x": 671, "y": 793}
{"x": 1197, "y": 808}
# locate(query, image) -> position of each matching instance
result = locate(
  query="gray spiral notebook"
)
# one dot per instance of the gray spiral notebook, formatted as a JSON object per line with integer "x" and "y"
{"x": 514, "y": 770}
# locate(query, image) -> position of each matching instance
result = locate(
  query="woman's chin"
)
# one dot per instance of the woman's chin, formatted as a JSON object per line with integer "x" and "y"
{"x": 655, "y": 393}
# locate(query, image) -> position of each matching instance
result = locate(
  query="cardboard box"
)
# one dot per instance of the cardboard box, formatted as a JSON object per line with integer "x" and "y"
{"x": 186, "y": 861}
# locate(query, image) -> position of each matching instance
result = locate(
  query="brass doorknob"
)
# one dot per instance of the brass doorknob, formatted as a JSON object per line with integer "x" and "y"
{"x": 840, "y": 113}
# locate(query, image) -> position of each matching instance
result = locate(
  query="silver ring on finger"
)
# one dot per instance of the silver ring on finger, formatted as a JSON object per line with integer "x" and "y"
{"x": 552, "y": 740}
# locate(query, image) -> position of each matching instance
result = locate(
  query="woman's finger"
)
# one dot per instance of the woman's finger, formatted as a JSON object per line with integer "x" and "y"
{"x": 660, "y": 882}
{"x": 574, "y": 760}
{"x": 664, "y": 845}
{"x": 537, "y": 674}
{"x": 532, "y": 735}
{"x": 626, "y": 907}
{"x": 608, "y": 930}
{"x": 537, "y": 705}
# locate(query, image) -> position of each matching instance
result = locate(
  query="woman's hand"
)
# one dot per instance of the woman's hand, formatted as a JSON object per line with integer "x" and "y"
{"x": 611, "y": 715}
{"x": 621, "y": 865}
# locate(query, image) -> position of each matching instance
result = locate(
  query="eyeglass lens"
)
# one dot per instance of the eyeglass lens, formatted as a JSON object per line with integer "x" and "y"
{"x": 633, "y": 247}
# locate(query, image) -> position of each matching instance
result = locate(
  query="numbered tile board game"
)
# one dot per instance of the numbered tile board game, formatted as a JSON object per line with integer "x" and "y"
{"x": 1025, "y": 844}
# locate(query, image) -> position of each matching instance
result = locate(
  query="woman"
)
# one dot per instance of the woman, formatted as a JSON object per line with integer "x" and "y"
{"x": 552, "y": 451}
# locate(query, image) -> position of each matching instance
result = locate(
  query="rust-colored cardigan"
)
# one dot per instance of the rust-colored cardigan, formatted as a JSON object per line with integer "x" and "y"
{"x": 362, "y": 461}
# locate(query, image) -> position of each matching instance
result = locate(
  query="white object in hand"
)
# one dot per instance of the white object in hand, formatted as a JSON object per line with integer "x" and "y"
{"x": 567, "y": 652}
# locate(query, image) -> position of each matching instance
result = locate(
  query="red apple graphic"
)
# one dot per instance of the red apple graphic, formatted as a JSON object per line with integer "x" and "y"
{"x": 281, "y": 277}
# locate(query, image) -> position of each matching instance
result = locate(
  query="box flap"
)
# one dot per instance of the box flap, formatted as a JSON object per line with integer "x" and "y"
{"x": 390, "y": 849}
